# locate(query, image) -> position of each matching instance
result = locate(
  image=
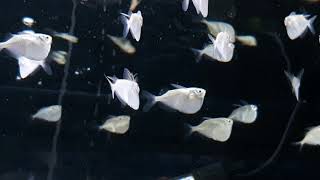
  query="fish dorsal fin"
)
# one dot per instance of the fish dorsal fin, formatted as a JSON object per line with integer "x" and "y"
{"x": 113, "y": 79}
{"x": 211, "y": 38}
{"x": 300, "y": 74}
{"x": 109, "y": 117}
{"x": 126, "y": 15}
{"x": 293, "y": 13}
{"x": 26, "y": 32}
{"x": 289, "y": 76}
{"x": 206, "y": 118}
{"x": 177, "y": 86}
{"x": 243, "y": 102}
{"x": 128, "y": 75}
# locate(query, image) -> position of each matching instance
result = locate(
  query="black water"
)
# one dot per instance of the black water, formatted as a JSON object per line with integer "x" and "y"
{"x": 155, "y": 145}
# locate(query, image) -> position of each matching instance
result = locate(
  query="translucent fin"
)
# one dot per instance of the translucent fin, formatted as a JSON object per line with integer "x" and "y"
{"x": 310, "y": 24}
{"x": 27, "y": 66}
{"x": 299, "y": 76}
{"x": 46, "y": 68}
{"x": 111, "y": 80}
{"x": 177, "y": 86}
{"x": 151, "y": 100}
{"x": 128, "y": 75}
{"x": 211, "y": 39}
{"x": 124, "y": 20}
{"x": 185, "y": 5}
{"x": 197, "y": 53}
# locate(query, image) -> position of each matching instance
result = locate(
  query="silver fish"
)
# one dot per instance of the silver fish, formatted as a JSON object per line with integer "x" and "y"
{"x": 126, "y": 89}
{"x": 297, "y": 24}
{"x": 245, "y": 114}
{"x": 116, "y": 124}
{"x": 50, "y": 113}
{"x": 30, "y": 49}
{"x": 182, "y": 99}
{"x": 124, "y": 44}
{"x": 218, "y": 129}
{"x": 200, "y": 5}
{"x": 132, "y": 22}
{"x": 295, "y": 82}
{"x": 312, "y": 137}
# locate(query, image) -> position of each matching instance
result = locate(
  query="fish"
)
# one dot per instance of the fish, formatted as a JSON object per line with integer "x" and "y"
{"x": 312, "y": 137}
{"x": 223, "y": 47}
{"x": 126, "y": 89}
{"x": 215, "y": 27}
{"x": 218, "y": 129}
{"x": 247, "y": 40}
{"x": 50, "y": 113}
{"x": 200, "y": 5}
{"x": 132, "y": 22}
{"x": 297, "y": 24}
{"x": 182, "y": 99}
{"x": 246, "y": 114}
{"x": 134, "y": 4}
{"x": 59, "y": 57}
{"x": 124, "y": 44}
{"x": 66, "y": 36}
{"x": 30, "y": 49}
{"x": 116, "y": 124}
{"x": 295, "y": 82}
{"x": 28, "y": 21}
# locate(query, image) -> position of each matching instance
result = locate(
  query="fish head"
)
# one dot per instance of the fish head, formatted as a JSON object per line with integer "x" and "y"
{"x": 253, "y": 107}
{"x": 229, "y": 122}
{"x": 288, "y": 21}
{"x": 124, "y": 118}
{"x": 45, "y": 39}
{"x": 197, "y": 93}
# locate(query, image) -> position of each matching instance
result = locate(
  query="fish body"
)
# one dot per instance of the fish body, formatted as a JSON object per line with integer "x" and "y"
{"x": 245, "y": 114}
{"x": 127, "y": 89}
{"x": 184, "y": 100}
{"x": 30, "y": 49}
{"x": 50, "y": 113}
{"x": 297, "y": 24}
{"x": 116, "y": 124}
{"x": 132, "y": 22}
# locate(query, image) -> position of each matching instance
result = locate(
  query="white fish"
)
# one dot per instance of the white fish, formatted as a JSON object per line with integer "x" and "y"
{"x": 28, "y": 21}
{"x": 200, "y": 5}
{"x": 295, "y": 82}
{"x": 132, "y": 22}
{"x": 247, "y": 40}
{"x": 223, "y": 47}
{"x": 30, "y": 49}
{"x": 134, "y": 4}
{"x": 126, "y": 89}
{"x": 312, "y": 137}
{"x": 218, "y": 129}
{"x": 215, "y": 27}
{"x": 124, "y": 44}
{"x": 59, "y": 57}
{"x": 50, "y": 113}
{"x": 67, "y": 37}
{"x": 182, "y": 99}
{"x": 116, "y": 124}
{"x": 297, "y": 24}
{"x": 245, "y": 114}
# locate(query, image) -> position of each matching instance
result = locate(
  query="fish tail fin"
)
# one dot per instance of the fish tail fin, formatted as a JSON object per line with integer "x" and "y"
{"x": 110, "y": 80}
{"x": 188, "y": 129}
{"x": 126, "y": 27}
{"x": 46, "y": 67}
{"x": 310, "y": 24}
{"x": 151, "y": 100}
{"x": 185, "y": 5}
{"x": 299, "y": 143}
{"x": 197, "y": 53}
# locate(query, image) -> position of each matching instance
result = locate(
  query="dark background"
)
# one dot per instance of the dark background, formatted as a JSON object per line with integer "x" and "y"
{"x": 155, "y": 145}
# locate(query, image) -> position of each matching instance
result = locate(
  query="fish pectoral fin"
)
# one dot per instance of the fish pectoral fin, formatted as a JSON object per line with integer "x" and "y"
{"x": 27, "y": 66}
{"x": 177, "y": 86}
